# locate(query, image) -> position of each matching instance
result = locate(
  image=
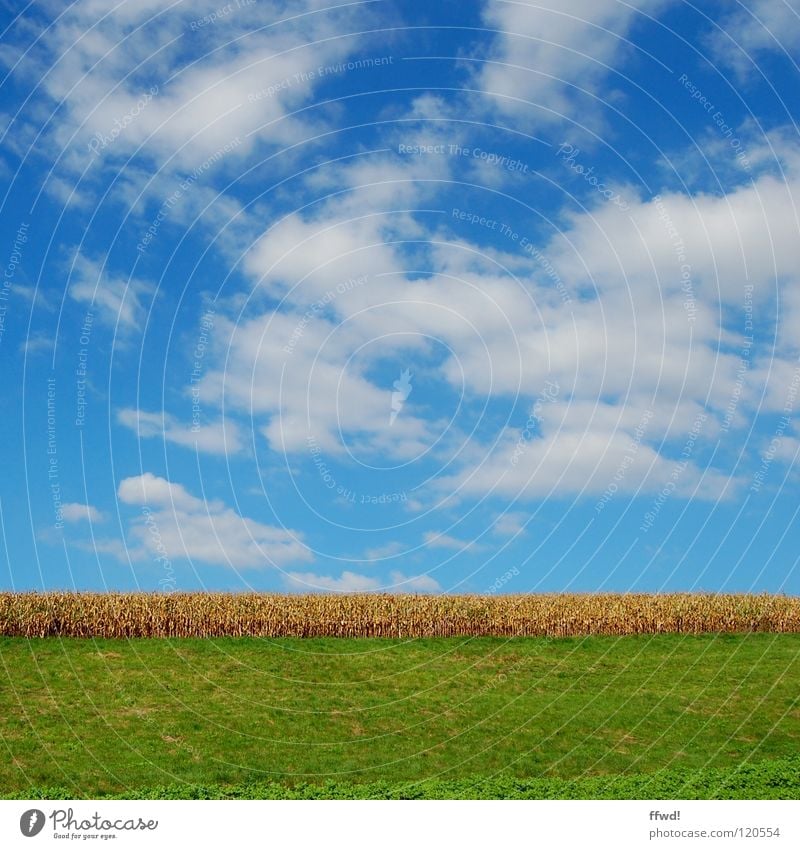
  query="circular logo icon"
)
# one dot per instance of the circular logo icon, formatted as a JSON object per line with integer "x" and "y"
{"x": 31, "y": 822}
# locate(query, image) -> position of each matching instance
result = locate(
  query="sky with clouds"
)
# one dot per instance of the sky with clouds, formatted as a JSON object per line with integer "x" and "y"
{"x": 388, "y": 296}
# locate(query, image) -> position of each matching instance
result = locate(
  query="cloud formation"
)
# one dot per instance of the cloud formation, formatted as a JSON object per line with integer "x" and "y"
{"x": 207, "y": 531}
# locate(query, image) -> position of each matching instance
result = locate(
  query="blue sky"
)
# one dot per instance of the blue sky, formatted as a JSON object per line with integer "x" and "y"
{"x": 383, "y": 296}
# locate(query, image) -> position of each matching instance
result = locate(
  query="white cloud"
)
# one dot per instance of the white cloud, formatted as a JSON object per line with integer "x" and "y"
{"x": 316, "y": 390}
{"x": 180, "y": 525}
{"x": 624, "y": 344}
{"x": 390, "y": 549}
{"x": 149, "y": 489}
{"x": 118, "y": 300}
{"x": 354, "y": 582}
{"x": 402, "y": 583}
{"x": 177, "y": 84}
{"x": 74, "y": 512}
{"x": 305, "y": 256}
{"x": 435, "y": 539}
{"x": 761, "y": 25}
{"x": 746, "y": 236}
{"x": 509, "y": 524}
{"x": 36, "y": 344}
{"x": 222, "y": 437}
{"x": 628, "y": 312}
{"x": 116, "y": 548}
{"x": 347, "y": 582}
{"x": 636, "y": 338}
{"x": 583, "y": 463}
{"x": 784, "y": 448}
{"x": 544, "y": 52}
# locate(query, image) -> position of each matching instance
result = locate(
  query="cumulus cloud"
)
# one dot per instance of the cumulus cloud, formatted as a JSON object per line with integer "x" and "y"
{"x": 178, "y": 523}
{"x": 583, "y": 463}
{"x": 750, "y": 30}
{"x": 745, "y": 236}
{"x": 544, "y": 53}
{"x": 179, "y": 82}
{"x": 628, "y": 313}
{"x": 296, "y": 372}
{"x": 615, "y": 318}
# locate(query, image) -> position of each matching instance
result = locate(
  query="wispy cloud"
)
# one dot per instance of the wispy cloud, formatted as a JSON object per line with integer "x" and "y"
{"x": 351, "y": 582}
{"x": 119, "y": 301}
{"x": 223, "y": 437}
{"x": 74, "y": 512}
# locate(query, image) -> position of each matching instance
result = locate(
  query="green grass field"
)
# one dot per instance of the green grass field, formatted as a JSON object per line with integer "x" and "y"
{"x": 666, "y": 716}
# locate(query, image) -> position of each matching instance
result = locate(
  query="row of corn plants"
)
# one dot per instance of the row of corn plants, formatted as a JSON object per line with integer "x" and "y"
{"x": 375, "y": 615}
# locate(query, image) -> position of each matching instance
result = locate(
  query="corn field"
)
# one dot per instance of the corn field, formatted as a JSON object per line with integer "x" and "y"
{"x": 369, "y": 615}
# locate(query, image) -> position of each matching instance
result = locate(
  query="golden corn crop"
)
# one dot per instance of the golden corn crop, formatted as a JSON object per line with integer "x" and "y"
{"x": 370, "y": 615}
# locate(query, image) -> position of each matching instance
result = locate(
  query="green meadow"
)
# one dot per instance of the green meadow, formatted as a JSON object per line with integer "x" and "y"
{"x": 640, "y": 717}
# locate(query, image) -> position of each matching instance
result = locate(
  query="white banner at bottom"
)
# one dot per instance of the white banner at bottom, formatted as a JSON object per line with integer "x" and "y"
{"x": 421, "y": 824}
